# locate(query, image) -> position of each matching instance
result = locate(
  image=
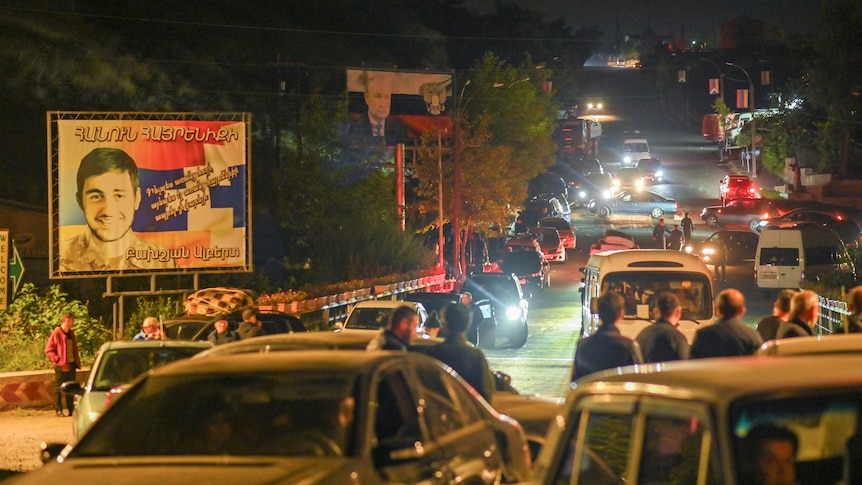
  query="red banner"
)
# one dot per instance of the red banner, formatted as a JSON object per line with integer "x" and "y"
{"x": 714, "y": 86}
{"x": 742, "y": 98}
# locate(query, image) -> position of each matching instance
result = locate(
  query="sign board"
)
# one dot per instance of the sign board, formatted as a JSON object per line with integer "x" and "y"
{"x": 148, "y": 193}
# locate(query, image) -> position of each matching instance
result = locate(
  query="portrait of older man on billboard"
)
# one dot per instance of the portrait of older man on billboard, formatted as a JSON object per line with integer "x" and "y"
{"x": 109, "y": 193}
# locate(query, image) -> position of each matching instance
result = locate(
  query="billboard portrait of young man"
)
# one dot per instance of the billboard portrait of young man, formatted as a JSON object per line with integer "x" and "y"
{"x": 109, "y": 193}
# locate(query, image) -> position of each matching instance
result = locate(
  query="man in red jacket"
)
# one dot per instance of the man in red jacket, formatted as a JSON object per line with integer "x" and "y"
{"x": 62, "y": 350}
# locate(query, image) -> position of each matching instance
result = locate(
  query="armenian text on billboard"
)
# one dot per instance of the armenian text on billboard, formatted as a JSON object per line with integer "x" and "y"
{"x": 141, "y": 193}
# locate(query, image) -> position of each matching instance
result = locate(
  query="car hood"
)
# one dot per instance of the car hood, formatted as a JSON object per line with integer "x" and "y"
{"x": 171, "y": 470}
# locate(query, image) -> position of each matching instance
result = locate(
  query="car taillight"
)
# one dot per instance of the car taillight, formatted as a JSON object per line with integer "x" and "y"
{"x": 112, "y": 395}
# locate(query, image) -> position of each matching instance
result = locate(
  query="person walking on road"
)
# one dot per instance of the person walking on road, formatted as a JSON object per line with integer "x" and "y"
{"x": 62, "y": 351}
{"x": 662, "y": 341}
{"x": 687, "y": 226}
{"x": 767, "y": 327}
{"x": 468, "y": 361}
{"x": 677, "y": 240}
{"x": 804, "y": 312}
{"x": 607, "y": 348}
{"x": 728, "y": 337}
{"x": 659, "y": 232}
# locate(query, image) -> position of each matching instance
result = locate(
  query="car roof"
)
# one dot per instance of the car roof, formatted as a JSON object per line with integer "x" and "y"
{"x": 293, "y": 341}
{"x": 819, "y": 344}
{"x": 152, "y": 344}
{"x": 652, "y": 259}
{"x": 385, "y": 304}
{"x": 334, "y": 361}
{"x": 728, "y": 378}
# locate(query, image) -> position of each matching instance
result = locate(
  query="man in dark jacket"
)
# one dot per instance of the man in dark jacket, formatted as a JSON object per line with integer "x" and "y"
{"x": 468, "y": 361}
{"x": 767, "y": 327}
{"x": 222, "y": 333}
{"x": 804, "y": 312}
{"x": 728, "y": 337}
{"x": 607, "y": 348}
{"x": 250, "y": 326}
{"x": 661, "y": 341}
{"x": 401, "y": 329}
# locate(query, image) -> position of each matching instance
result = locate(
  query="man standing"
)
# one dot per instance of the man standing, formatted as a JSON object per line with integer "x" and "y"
{"x": 401, "y": 329}
{"x": 62, "y": 351}
{"x": 728, "y": 337}
{"x": 221, "y": 334}
{"x": 687, "y": 227}
{"x": 804, "y": 312}
{"x": 661, "y": 341}
{"x": 475, "y": 317}
{"x": 676, "y": 239}
{"x": 250, "y": 327}
{"x": 109, "y": 193}
{"x": 468, "y": 361}
{"x": 607, "y": 348}
{"x": 658, "y": 235}
{"x": 767, "y": 327}
{"x": 150, "y": 330}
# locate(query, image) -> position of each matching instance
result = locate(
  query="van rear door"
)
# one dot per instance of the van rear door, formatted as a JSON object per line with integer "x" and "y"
{"x": 779, "y": 267}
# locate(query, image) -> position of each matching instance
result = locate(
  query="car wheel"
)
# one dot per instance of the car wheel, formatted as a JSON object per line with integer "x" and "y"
{"x": 488, "y": 336}
{"x": 656, "y": 213}
{"x": 754, "y": 225}
{"x": 603, "y": 212}
{"x": 711, "y": 220}
{"x": 519, "y": 337}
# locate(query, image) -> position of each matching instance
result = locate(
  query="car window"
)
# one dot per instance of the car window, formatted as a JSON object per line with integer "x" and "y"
{"x": 396, "y": 423}
{"x": 606, "y": 444}
{"x": 446, "y": 410}
{"x": 672, "y": 450}
{"x": 121, "y": 366}
{"x": 368, "y": 318}
{"x": 641, "y": 288}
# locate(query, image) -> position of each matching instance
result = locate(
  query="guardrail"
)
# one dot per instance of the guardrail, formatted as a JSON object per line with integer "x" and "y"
{"x": 833, "y": 314}
{"x": 323, "y": 312}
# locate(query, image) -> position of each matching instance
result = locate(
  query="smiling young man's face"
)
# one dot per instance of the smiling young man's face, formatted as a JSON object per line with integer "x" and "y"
{"x": 109, "y": 202}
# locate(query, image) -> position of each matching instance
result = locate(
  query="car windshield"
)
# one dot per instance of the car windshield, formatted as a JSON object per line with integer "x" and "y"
{"x": 640, "y": 288}
{"x": 522, "y": 263}
{"x": 825, "y": 424}
{"x": 184, "y": 330}
{"x": 121, "y": 366}
{"x": 228, "y": 414}
{"x": 497, "y": 289}
{"x": 368, "y": 318}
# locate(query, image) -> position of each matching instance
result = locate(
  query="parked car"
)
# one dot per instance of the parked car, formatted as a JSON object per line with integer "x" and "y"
{"x": 531, "y": 267}
{"x": 651, "y": 169}
{"x": 634, "y": 203}
{"x": 847, "y": 228}
{"x": 296, "y": 417}
{"x": 745, "y": 212}
{"x": 374, "y": 315}
{"x": 550, "y": 243}
{"x": 547, "y": 183}
{"x": 726, "y": 245}
{"x": 532, "y": 412}
{"x": 689, "y": 420}
{"x": 555, "y": 205}
{"x": 507, "y": 301}
{"x": 525, "y": 241}
{"x": 586, "y": 164}
{"x": 117, "y": 364}
{"x": 838, "y": 343}
{"x": 585, "y": 188}
{"x": 736, "y": 187}
{"x": 564, "y": 229}
{"x": 628, "y": 179}
{"x": 198, "y": 327}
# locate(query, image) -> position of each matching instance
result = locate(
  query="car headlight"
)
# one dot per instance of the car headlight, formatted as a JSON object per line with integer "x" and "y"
{"x": 582, "y": 195}
{"x": 513, "y": 313}
{"x": 658, "y": 174}
{"x": 762, "y": 223}
{"x": 708, "y": 251}
{"x": 606, "y": 194}
{"x": 640, "y": 184}
{"x": 688, "y": 249}
{"x": 616, "y": 183}
{"x": 627, "y": 159}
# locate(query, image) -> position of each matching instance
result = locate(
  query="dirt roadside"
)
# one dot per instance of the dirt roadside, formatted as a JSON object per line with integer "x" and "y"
{"x": 22, "y": 432}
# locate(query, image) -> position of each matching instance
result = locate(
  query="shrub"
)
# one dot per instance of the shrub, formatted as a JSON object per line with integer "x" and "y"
{"x": 30, "y": 319}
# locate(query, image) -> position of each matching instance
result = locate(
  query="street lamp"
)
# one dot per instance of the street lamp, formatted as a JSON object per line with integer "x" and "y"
{"x": 753, "y": 168}
{"x": 456, "y": 190}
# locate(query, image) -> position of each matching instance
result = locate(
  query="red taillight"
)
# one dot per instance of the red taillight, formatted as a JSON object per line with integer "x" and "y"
{"x": 112, "y": 395}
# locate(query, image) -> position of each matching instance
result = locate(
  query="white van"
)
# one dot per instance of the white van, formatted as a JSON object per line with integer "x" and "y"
{"x": 633, "y": 150}
{"x": 640, "y": 274}
{"x": 787, "y": 257}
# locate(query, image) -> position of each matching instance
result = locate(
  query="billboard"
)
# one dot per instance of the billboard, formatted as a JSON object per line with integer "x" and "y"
{"x": 397, "y": 106}
{"x": 145, "y": 193}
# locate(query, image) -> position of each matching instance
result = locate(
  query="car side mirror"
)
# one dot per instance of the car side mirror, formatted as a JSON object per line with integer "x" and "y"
{"x": 72, "y": 387}
{"x": 339, "y": 326}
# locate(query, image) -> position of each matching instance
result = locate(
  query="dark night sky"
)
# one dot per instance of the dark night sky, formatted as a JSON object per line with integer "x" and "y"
{"x": 696, "y": 16}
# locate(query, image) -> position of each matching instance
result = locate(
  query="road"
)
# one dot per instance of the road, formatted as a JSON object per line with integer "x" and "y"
{"x": 543, "y": 365}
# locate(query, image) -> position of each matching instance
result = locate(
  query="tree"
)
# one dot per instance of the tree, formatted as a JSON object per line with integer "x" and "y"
{"x": 505, "y": 123}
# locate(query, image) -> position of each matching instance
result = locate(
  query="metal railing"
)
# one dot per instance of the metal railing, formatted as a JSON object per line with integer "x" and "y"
{"x": 833, "y": 314}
